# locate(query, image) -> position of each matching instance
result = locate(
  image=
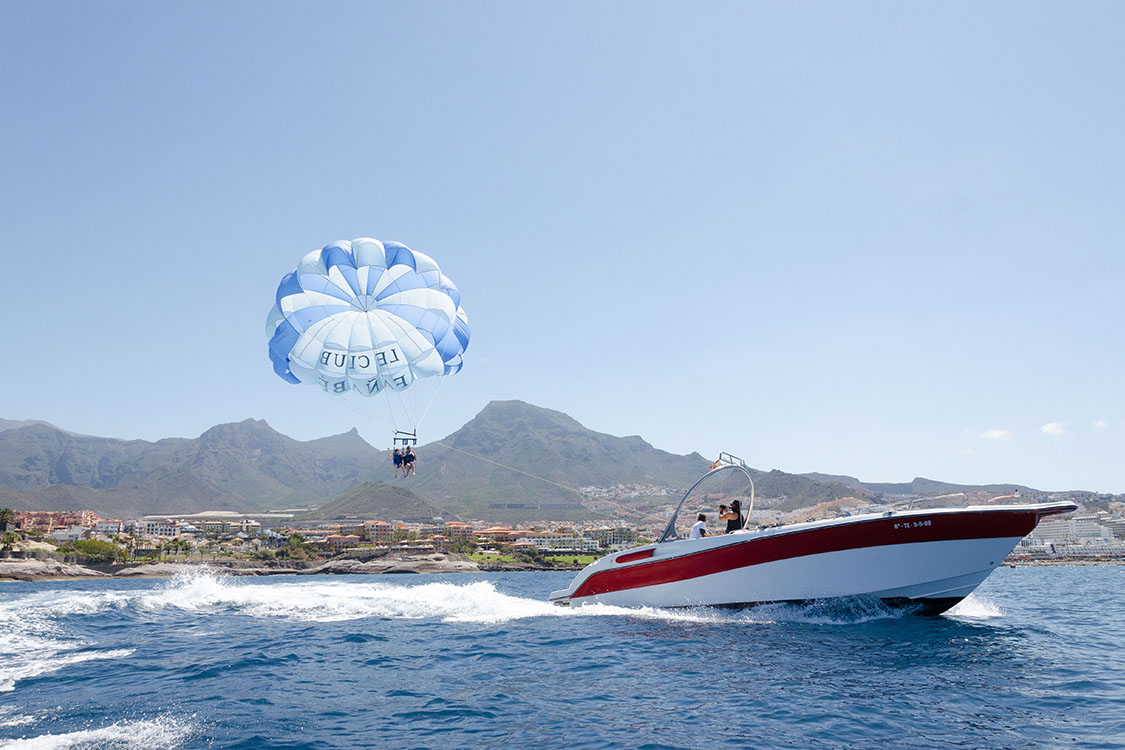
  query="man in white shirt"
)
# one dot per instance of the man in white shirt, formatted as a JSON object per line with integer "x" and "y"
{"x": 700, "y": 529}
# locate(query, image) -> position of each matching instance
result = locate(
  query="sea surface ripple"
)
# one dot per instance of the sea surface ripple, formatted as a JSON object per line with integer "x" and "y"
{"x": 1033, "y": 660}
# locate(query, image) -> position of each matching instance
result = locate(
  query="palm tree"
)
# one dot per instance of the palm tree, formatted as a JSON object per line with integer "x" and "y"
{"x": 7, "y": 518}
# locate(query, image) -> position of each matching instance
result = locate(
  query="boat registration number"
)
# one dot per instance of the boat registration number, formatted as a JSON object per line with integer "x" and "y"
{"x": 913, "y": 524}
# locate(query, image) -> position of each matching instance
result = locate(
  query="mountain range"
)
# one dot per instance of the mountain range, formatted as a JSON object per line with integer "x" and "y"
{"x": 244, "y": 466}
{"x": 512, "y": 462}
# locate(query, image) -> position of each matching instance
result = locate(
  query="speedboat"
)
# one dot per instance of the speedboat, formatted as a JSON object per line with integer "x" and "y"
{"x": 923, "y": 559}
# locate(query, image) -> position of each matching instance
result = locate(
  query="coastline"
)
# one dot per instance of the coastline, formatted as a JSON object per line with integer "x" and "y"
{"x": 49, "y": 569}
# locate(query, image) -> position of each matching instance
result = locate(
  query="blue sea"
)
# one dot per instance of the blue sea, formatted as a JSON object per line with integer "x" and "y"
{"x": 1034, "y": 659}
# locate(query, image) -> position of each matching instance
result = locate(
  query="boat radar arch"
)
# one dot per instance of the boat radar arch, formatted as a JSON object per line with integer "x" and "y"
{"x": 725, "y": 462}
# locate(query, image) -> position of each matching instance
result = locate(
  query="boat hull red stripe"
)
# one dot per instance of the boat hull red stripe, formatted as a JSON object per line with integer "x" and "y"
{"x": 936, "y": 527}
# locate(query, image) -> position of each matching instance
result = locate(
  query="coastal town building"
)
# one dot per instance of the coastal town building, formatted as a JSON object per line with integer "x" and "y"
{"x": 1030, "y": 549}
{"x": 72, "y": 534}
{"x": 110, "y": 527}
{"x": 1069, "y": 531}
{"x": 458, "y": 531}
{"x": 610, "y": 536}
{"x": 1116, "y": 526}
{"x": 228, "y": 526}
{"x": 497, "y": 534}
{"x": 338, "y": 542}
{"x": 377, "y": 531}
{"x": 547, "y": 542}
{"x": 159, "y": 527}
{"x": 49, "y": 520}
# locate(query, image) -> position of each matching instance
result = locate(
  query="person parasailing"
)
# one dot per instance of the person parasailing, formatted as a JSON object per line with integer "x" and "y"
{"x": 372, "y": 317}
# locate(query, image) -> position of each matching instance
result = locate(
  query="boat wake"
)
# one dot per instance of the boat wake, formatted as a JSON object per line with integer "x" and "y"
{"x": 845, "y": 611}
{"x": 975, "y": 607}
{"x": 478, "y": 602}
{"x": 322, "y": 600}
{"x": 162, "y": 733}
{"x": 46, "y": 660}
{"x": 32, "y": 644}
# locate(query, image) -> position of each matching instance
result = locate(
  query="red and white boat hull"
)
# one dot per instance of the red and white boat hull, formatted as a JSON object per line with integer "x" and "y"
{"x": 932, "y": 558}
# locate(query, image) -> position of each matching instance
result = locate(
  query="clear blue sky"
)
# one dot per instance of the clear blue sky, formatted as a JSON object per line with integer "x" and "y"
{"x": 882, "y": 239}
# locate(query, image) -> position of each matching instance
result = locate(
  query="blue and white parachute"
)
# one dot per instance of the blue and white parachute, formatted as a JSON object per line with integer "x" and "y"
{"x": 366, "y": 316}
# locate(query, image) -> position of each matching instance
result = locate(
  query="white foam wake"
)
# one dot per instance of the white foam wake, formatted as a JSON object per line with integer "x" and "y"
{"x": 322, "y": 600}
{"x": 47, "y": 661}
{"x": 157, "y": 734}
{"x": 975, "y": 607}
{"x": 325, "y": 600}
{"x": 32, "y": 644}
{"x": 10, "y": 717}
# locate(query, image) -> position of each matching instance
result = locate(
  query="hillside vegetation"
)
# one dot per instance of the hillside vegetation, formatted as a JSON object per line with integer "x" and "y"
{"x": 512, "y": 462}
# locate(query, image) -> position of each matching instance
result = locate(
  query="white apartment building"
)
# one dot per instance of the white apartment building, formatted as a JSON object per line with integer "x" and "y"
{"x": 245, "y": 526}
{"x": 612, "y": 536}
{"x": 559, "y": 541}
{"x": 72, "y": 534}
{"x": 110, "y": 527}
{"x": 162, "y": 527}
{"x": 1077, "y": 530}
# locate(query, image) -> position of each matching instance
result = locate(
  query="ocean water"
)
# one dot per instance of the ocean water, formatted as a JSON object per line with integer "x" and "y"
{"x": 1034, "y": 659}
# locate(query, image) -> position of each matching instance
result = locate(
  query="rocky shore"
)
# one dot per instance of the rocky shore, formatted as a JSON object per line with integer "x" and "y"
{"x": 45, "y": 569}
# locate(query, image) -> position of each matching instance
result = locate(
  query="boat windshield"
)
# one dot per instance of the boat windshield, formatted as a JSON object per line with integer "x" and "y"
{"x": 723, "y": 485}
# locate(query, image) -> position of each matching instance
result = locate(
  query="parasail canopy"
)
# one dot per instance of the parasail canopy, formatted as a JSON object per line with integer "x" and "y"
{"x": 366, "y": 316}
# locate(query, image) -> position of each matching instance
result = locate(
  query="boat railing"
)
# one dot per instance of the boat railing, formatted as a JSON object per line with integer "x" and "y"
{"x": 725, "y": 462}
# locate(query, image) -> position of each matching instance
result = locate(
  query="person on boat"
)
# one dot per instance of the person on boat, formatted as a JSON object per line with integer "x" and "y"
{"x": 408, "y": 462}
{"x": 700, "y": 529}
{"x": 397, "y": 458}
{"x": 731, "y": 517}
{"x": 734, "y": 518}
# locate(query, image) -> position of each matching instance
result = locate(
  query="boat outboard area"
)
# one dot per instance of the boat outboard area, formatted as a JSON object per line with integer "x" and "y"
{"x": 924, "y": 559}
